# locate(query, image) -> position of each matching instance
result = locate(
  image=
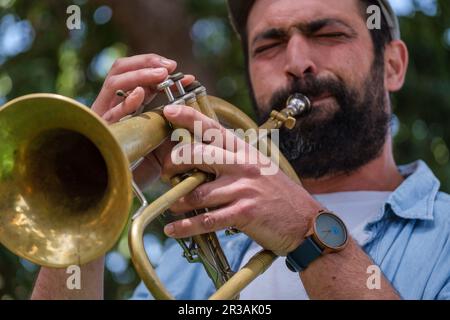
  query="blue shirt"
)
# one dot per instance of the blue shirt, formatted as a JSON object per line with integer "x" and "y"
{"x": 409, "y": 240}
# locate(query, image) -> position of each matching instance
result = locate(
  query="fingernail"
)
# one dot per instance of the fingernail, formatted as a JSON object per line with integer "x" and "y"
{"x": 167, "y": 62}
{"x": 169, "y": 229}
{"x": 172, "y": 109}
{"x": 135, "y": 92}
{"x": 159, "y": 71}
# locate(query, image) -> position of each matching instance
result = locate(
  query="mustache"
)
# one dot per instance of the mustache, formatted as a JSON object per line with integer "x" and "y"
{"x": 311, "y": 87}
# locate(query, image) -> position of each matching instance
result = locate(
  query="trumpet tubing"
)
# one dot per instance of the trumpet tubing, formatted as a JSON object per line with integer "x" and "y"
{"x": 66, "y": 186}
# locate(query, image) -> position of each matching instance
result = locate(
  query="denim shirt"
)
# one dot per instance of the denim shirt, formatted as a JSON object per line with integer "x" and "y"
{"x": 409, "y": 240}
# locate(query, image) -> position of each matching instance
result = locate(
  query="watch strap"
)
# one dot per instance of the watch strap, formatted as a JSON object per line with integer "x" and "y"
{"x": 299, "y": 259}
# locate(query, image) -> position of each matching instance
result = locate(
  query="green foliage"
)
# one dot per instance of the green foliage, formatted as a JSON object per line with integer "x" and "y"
{"x": 75, "y": 63}
{"x": 423, "y": 105}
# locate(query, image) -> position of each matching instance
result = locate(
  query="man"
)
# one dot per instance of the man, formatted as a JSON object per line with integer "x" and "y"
{"x": 396, "y": 217}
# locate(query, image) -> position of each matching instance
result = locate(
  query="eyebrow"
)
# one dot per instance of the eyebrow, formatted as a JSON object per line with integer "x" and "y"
{"x": 306, "y": 28}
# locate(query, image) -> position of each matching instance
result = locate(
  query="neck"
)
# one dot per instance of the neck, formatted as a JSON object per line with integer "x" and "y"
{"x": 381, "y": 174}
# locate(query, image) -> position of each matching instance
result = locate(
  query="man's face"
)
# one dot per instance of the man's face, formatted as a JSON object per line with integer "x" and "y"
{"x": 324, "y": 50}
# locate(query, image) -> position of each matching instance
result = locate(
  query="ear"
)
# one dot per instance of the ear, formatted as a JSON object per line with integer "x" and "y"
{"x": 396, "y": 59}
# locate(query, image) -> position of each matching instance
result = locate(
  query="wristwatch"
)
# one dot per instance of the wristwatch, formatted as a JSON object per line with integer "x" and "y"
{"x": 327, "y": 234}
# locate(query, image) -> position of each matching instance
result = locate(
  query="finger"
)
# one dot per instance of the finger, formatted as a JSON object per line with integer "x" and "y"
{"x": 209, "y": 195}
{"x": 147, "y": 78}
{"x": 151, "y": 91}
{"x": 127, "y": 81}
{"x": 209, "y": 222}
{"x": 128, "y": 106}
{"x": 142, "y": 61}
{"x": 209, "y": 130}
{"x": 108, "y": 99}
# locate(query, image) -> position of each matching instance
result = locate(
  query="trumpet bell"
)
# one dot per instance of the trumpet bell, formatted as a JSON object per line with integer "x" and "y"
{"x": 65, "y": 184}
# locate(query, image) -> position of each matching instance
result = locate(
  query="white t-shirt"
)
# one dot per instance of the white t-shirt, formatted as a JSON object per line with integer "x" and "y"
{"x": 356, "y": 209}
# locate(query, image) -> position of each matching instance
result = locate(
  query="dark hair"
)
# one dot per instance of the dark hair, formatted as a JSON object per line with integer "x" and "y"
{"x": 380, "y": 37}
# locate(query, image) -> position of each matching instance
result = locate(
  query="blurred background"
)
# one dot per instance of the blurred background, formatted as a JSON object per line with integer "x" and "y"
{"x": 39, "y": 54}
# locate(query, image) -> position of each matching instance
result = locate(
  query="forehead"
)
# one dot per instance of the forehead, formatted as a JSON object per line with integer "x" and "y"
{"x": 267, "y": 14}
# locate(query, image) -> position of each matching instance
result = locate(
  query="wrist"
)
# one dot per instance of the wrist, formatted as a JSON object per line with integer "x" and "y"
{"x": 326, "y": 234}
{"x": 306, "y": 214}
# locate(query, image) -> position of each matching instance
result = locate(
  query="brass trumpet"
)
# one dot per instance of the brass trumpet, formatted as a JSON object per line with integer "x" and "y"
{"x": 66, "y": 187}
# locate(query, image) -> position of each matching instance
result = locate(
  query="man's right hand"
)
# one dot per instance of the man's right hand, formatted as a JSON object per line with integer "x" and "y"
{"x": 138, "y": 75}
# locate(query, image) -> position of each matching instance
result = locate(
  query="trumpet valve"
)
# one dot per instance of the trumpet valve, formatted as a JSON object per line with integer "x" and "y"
{"x": 177, "y": 77}
{"x": 194, "y": 86}
{"x": 165, "y": 86}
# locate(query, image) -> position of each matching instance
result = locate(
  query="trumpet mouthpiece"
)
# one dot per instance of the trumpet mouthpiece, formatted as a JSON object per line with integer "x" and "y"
{"x": 299, "y": 104}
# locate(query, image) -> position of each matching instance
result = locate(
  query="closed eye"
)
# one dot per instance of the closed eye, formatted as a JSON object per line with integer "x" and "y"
{"x": 264, "y": 48}
{"x": 332, "y": 35}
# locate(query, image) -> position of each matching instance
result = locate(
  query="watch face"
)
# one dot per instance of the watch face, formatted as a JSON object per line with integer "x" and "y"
{"x": 330, "y": 230}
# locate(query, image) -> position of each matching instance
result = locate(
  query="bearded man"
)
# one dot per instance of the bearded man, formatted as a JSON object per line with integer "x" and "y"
{"x": 365, "y": 211}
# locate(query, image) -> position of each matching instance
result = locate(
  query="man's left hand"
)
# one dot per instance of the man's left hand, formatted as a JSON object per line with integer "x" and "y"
{"x": 271, "y": 209}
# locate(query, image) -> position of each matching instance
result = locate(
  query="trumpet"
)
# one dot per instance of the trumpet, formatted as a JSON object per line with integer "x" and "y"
{"x": 66, "y": 186}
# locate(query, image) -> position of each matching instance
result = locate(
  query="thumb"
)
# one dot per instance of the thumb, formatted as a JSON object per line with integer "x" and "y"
{"x": 128, "y": 106}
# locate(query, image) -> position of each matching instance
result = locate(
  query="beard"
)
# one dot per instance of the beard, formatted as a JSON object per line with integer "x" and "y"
{"x": 340, "y": 134}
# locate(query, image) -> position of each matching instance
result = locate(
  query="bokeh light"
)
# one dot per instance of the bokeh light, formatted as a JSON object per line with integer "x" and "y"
{"x": 16, "y": 36}
{"x": 103, "y": 62}
{"x": 103, "y": 15}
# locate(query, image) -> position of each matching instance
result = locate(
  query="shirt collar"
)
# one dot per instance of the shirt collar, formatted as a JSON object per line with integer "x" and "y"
{"x": 415, "y": 197}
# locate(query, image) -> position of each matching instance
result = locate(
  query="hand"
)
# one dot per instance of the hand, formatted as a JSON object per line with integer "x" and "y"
{"x": 272, "y": 210}
{"x": 139, "y": 74}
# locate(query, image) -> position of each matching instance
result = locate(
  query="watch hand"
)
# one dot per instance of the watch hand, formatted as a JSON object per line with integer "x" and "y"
{"x": 327, "y": 234}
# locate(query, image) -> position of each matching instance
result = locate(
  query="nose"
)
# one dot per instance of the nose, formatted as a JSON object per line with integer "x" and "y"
{"x": 299, "y": 57}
